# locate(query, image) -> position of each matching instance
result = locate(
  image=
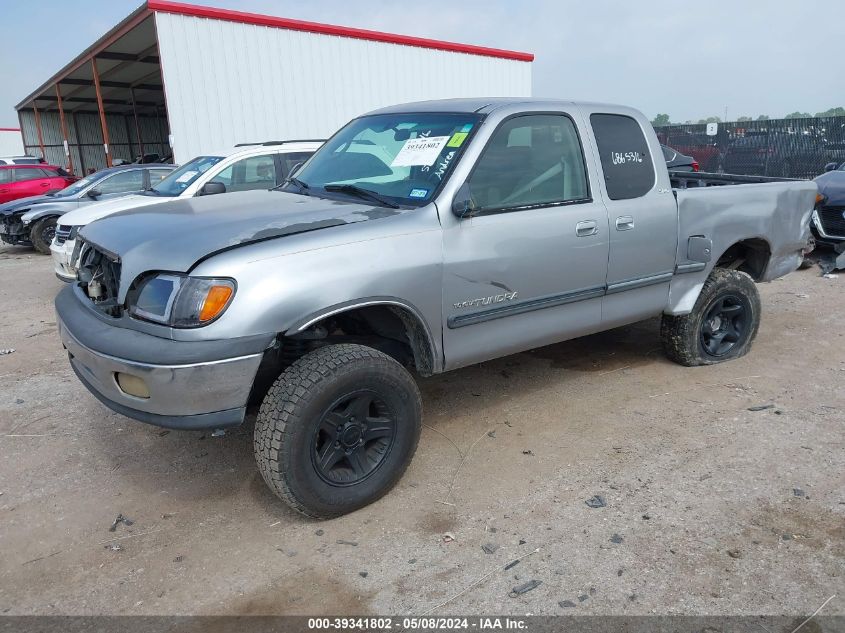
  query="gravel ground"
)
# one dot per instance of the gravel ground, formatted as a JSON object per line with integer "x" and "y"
{"x": 711, "y": 508}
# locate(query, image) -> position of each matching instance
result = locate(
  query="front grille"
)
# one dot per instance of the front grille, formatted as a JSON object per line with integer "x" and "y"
{"x": 832, "y": 220}
{"x": 62, "y": 233}
{"x": 99, "y": 277}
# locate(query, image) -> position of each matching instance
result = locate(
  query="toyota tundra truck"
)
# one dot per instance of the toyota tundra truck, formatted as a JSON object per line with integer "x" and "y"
{"x": 419, "y": 239}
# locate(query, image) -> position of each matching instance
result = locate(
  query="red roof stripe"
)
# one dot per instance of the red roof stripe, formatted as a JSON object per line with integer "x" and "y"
{"x": 10, "y": 129}
{"x": 165, "y": 6}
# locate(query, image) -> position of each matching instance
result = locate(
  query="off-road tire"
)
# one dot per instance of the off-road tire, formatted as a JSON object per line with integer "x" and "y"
{"x": 681, "y": 335}
{"x": 37, "y": 234}
{"x": 294, "y": 407}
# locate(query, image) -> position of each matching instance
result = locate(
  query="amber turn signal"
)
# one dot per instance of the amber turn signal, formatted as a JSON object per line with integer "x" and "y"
{"x": 215, "y": 301}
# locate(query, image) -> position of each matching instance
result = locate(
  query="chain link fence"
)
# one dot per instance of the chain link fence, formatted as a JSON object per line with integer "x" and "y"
{"x": 788, "y": 148}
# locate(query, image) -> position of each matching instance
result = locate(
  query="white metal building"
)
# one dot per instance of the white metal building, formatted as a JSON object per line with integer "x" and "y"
{"x": 11, "y": 141}
{"x": 184, "y": 79}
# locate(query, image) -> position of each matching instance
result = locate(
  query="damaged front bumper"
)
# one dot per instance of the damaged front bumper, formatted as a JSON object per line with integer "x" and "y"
{"x": 173, "y": 384}
{"x": 13, "y": 231}
{"x": 64, "y": 256}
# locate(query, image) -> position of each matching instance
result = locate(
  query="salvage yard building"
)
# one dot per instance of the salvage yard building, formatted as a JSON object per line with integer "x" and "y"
{"x": 180, "y": 80}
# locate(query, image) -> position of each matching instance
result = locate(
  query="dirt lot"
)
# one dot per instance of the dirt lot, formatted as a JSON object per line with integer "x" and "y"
{"x": 711, "y": 508}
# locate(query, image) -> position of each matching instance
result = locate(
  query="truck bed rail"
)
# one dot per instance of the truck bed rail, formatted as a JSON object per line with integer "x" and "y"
{"x": 689, "y": 179}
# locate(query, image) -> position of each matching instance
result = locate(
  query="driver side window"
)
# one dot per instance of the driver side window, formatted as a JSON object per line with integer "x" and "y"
{"x": 530, "y": 161}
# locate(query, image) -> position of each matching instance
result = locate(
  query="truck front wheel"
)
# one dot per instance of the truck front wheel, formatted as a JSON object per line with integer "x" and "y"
{"x": 337, "y": 429}
{"x": 721, "y": 326}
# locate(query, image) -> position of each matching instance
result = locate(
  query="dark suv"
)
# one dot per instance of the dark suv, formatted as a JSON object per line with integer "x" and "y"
{"x": 32, "y": 221}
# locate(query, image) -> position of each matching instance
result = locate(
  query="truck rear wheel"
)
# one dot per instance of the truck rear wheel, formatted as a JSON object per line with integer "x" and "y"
{"x": 337, "y": 429}
{"x": 721, "y": 326}
{"x": 42, "y": 234}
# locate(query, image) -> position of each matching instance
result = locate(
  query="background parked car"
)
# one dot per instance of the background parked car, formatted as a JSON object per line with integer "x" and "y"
{"x": 675, "y": 161}
{"x": 829, "y": 219}
{"x": 245, "y": 167}
{"x": 776, "y": 154}
{"x": 21, "y": 160}
{"x": 23, "y": 181}
{"x": 32, "y": 220}
{"x": 701, "y": 147}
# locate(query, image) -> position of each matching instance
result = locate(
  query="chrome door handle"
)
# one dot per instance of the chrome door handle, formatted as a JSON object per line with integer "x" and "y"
{"x": 624, "y": 223}
{"x": 586, "y": 228}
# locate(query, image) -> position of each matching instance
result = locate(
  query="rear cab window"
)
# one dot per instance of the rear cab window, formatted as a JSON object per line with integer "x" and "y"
{"x": 624, "y": 154}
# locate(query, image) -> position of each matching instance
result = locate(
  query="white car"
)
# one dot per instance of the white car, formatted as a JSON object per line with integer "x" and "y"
{"x": 255, "y": 166}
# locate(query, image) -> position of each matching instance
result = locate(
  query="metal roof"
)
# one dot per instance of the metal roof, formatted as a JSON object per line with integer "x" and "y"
{"x": 166, "y": 6}
{"x": 127, "y": 56}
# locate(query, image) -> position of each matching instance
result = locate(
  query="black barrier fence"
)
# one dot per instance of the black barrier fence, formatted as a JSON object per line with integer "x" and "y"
{"x": 788, "y": 148}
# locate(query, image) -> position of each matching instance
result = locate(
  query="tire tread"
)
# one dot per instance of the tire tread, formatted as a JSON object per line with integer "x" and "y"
{"x": 289, "y": 394}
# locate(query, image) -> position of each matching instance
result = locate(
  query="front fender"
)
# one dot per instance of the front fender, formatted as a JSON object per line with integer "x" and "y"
{"x": 37, "y": 213}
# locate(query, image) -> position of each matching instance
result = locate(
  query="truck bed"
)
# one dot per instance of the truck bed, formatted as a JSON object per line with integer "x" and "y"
{"x": 773, "y": 214}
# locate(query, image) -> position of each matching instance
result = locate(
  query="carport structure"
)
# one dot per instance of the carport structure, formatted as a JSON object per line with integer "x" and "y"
{"x": 182, "y": 80}
{"x": 106, "y": 104}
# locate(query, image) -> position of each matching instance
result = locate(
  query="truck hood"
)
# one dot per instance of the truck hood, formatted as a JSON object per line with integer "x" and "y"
{"x": 97, "y": 210}
{"x": 832, "y": 186}
{"x": 176, "y": 235}
{"x": 21, "y": 204}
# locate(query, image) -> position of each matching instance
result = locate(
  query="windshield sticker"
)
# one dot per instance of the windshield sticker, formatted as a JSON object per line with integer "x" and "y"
{"x": 420, "y": 151}
{"x": 457, "y": 139}
{"x": 418, "y": 193}
{"x": 465, "y": 129}
{"x": 186, "y": 176}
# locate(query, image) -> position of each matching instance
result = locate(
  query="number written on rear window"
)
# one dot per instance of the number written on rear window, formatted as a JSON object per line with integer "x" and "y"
{"x": 625, "y": 160}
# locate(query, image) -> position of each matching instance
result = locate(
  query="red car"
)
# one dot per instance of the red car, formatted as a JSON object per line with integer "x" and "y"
{"x": 22, "y": 181}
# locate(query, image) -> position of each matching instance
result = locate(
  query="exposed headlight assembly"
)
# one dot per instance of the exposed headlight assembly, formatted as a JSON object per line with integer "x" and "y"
{"x": 181, "y": 301}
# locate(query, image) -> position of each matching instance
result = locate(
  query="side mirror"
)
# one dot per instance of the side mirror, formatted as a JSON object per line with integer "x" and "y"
{"x": 94, "y": 194}
{"x": 462, "y": 205}
{"x": 212, "y": 188}
{"x": 831, "y": 167}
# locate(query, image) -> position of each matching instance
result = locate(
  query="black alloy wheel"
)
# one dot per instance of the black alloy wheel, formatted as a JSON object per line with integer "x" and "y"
{"x": 725, "y": 324}
{"x": 353, "y": 438}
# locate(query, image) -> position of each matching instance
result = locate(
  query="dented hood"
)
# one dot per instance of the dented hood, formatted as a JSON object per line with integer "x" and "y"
{"x": 175, "y": 235}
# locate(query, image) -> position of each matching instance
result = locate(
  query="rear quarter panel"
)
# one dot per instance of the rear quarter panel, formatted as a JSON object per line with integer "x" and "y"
{"x": 777, "y": 213}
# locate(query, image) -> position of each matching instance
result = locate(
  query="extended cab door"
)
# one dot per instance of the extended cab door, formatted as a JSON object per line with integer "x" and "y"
{"x": 528, "y": 267}
{"x": 642, "y": 215}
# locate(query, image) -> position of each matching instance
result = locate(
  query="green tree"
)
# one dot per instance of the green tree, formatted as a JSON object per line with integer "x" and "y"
{"x": 763, "y": 117}
{"x": 710, "y": 119}
{"x": 798, "y": 115}
{"x": 832, "y": 112}
{"x": 743, "y": 118}
{"x": 660, "y": 120}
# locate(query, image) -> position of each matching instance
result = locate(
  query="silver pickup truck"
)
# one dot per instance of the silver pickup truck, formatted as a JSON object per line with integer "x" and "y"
{"x": 423, "y": 237}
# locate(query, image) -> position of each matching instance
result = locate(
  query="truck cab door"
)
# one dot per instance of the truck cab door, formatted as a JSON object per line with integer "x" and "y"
{"x": 642, "y": 215}
{"x": 526, "y": 267}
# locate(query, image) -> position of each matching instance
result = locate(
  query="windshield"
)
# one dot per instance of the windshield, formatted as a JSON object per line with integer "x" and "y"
{"x": 75, "y": 188}
{"x": 401, "y": 157}
{"x": 182, "y": 178}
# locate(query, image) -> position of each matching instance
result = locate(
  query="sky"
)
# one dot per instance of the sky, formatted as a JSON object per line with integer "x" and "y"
{"x": 689, "y": 60}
